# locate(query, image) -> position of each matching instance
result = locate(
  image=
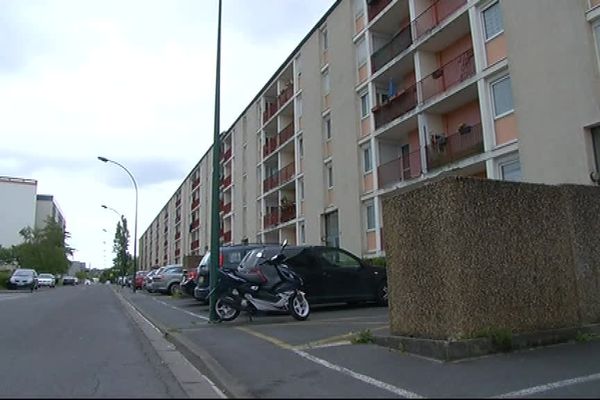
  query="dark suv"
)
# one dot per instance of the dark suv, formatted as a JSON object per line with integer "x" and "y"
{"x": 229, "y": 258}
{"x": 330, "y": 274}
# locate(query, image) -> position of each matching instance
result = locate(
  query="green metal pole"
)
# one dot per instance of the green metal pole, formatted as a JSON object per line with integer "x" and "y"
{"x": 215, "y": 223}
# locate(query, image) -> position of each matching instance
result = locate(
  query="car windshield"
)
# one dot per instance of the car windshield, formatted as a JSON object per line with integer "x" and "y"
{"x": 24, "y": 272}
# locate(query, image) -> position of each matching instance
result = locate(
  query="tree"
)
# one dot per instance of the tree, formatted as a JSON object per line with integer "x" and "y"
{"x": 44, "y": 249}
{"x": 7, "y": 255}
{"x": 122, "y": 260}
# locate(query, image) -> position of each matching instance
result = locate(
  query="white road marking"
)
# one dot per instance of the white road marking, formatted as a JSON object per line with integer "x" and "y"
{"x": 179, "y": 309}
{"x": 550, "y": 386}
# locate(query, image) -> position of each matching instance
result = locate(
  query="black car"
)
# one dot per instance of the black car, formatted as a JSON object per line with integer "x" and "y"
{"x": 229, "y": 258}
{"x": 330, "y": 274}
{"x": 69, "y": 280}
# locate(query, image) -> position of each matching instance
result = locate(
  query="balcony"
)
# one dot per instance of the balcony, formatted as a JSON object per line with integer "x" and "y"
{"x": 401, "y": 169}
{"x": 436, "y": 13}
{"x": 271, "y": 219}
{"x": 195, "y": 183}
{"x": 272, "y": 108}
{"x": 226, "y": 155}
{"x": 450, "y": 74}
{"x": 225, "y": 182}
{"x": 195, "y": 203}
{"x": 177, "y": 235}
{"x": 226, "y": 208}
{"x": 397, "y": 105}
{"x": 400, "y": 42}
{"x": 288, "y": 213}
{"x": 274, "y": 142}
{"x": 177, "y": 252}
{"x": 448, "y": 149}
{"x": 226, "y": 236}
{"x": 195, "y": 244}
{"x": 374, "y": 7}
{"x": 177, "y": 202}
{"x": 195, "y": 224}
{"x": 280, "y": 177}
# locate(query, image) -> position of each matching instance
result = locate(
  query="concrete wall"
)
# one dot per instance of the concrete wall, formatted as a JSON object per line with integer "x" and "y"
{"x": 465, "y": 255}
{"x": 17, "y": 209}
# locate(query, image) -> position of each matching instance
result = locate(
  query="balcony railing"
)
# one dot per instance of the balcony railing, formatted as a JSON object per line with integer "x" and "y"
{"x": 272, "y": 108}
{"x": 280, "y": 177}
{"x": 177, "y": 202}
{"x": 436, "y": 13}
{"x": 375, "y": 6}
{"x": 195, "y": 183}
{"x": 227, "y": 237}
{"x": 401, "y": 169}
{"x": 271, "y": 219}
{"x": 288, "y": 213}
{"x": 272, "y": 143}
{"x": 225, "y": 182}
{"x": 177, "y": 252}
{"x": 195, "y": 244}
{"x": 396, "y": 106}
{"x": 194, "y": 224}
{"x": 177, "y": 235}
{"x": 450, "y": 74}
{"x": 195, "y": 203}
{"x": 226, "y": 155}
{"x": 226, "y": 208}
{"x": 447, "y": 149}
{"x": 400, "y": 42}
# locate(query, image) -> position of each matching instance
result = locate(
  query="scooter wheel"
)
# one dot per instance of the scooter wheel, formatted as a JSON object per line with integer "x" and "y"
{"x": 224, "y": 311}
{"x": 299, "y": 307}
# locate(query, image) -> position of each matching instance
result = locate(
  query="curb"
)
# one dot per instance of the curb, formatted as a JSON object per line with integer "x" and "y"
{"x": 199, "y": 358}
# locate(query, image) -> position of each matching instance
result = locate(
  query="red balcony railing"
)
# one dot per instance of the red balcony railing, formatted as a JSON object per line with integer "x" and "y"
{"x": 450, "y": 74}
{"x": 226, "y": 207}
{"x": 177, "y": 252}
{"x": 194, "y": 224}
{"x": 396, "y": 106}
{"x": 271, "y": 182}
{"x": 226, "y": 155}
{"x": 400, "y": 42}
{"x": 286, "y": 133}
{"x": 270, "y": 110}
{"x": 195, "y": 244}
{"x": 195, "y": 203}
{"x": 280, "y": 177}
{"x": 447, "y": 149}
{"x": 436, "y": 13}
{"x": 177, "y": 202}
{"x": 288, "y": 213}
{"x": 375, "y": 7}
{"x": 270, "y": 145}
{"x": 401, "y": 169}
{"x": 225, "y": 182}
{"x": 227, "y": 237}
{"x": 271, "y": 219}
{"x": 177, "y": 218}
{"x": 177, "y": 235}
{"x": 285, "y": 95}
{"x": 195, "y": 183}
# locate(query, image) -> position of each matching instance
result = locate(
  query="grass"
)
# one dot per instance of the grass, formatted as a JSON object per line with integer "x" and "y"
{"x": 501, "y": 338}
{"x": 585, "y": 337}
{"x": 4, "y": 276}
{"x": 363, "y": 337}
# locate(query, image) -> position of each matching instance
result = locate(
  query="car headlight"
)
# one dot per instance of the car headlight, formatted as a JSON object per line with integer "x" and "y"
{"x": 12, "y": 280}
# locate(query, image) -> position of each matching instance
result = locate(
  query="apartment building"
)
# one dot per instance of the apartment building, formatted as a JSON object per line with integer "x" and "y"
{"x": 47, "y": 207}
{"x": 387, "y": 94}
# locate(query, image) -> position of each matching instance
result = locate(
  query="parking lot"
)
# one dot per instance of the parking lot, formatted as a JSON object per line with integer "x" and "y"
{"x": 276, "y": 356}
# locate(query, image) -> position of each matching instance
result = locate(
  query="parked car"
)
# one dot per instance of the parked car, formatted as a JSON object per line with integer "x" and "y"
{"x": 47, "y": 280}
{"x": 23, "y": 279}
{"x": 167, "y": 280}
{"x": 230, "y": 257}
{"x": 139, "y": 279}
{"x": 188, "y": 281}
{"x": 148, "y": 279}
{"x": 330, "y": 274}
{"x": 69, "y": 280}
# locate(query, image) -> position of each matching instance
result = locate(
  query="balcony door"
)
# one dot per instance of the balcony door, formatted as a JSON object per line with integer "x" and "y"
{"x": 332, "y": 234}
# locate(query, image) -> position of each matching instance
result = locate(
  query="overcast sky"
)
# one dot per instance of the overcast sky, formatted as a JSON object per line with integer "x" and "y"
{"x": 132, "y": 81}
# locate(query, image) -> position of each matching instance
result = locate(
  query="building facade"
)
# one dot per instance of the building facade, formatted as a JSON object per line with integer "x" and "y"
{"x": 388, "y": 94}
{"x": 17, "y": 208}
{"x": 46, "y": 207}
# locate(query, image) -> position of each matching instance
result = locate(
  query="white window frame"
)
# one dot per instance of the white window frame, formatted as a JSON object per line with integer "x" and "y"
{"x": 327, "y": 134}
{"x": 326, "y": 82}
{"x": 493, "y": 102}
{"x": 366, "y": 150}
{"x": 368, "y": 205}
{"x": 324, "y": 39}
{"x": 596, "y": 34}
{"x": 502, "y": 162}
{"x": 329, "y": 169}
{"x": 484, "y": 30}
{"x": 362, "y": 42}
{"x": 364, "y": 95}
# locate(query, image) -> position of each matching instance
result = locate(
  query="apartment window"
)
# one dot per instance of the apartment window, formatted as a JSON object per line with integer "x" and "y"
{"x": 244, "y": 185}
{"x": 327, "y": 128}
{"x": 597, "y": 34}
{"x": 596, "y": 144}
{"x": 301, "y": 189}
{"x": 367, "y": 161}
{"x": 510, "y": 170}
{"x": 300, "y": 146}
{"x": 357, "y": 6}
{"x": 299, "y": 106}
{"x": 324, "y": 39}
{"x": 502, "y": 97}
{"x": 370, "y": 214}
{"x": 364, "y": 105}
{"x": 244, "y": 158}
{"x": 361, "y": 53}
{"x": 326, "y": 83}
{"x": 329, "y": 176}
{"x": 492, "y": 21}
{"x": 302, "y": 233}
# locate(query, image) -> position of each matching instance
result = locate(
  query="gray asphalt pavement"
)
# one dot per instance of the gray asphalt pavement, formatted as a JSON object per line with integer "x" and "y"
{"x": 275, "y": 356}
{"x": 76, "y": 342}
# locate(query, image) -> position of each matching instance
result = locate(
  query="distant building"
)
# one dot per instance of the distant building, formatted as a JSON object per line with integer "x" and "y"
{"x": 47, "y": 207}
{"x": 76, "y": 266}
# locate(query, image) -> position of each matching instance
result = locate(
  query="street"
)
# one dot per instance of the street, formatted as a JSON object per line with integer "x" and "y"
{"x": 77, "y": 342}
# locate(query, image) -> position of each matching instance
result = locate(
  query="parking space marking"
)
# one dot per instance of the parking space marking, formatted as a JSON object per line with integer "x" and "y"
{"x": 324, "y": 363}
{"x": 549, "y": 386}
{"x": 185, "y": 311}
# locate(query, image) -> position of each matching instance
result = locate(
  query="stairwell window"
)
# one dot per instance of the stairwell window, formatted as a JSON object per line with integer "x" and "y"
{"x": 492, "y": 21}
{"x": 364, "y": 105}
{"x": 510, "y": 169}
{"x": 327, "y": 128}
{"x": 502, "y": 97}
{"x": 361, "y": 53}
{"x": 326, "y": 83}
{"x": 329, "y": 176}
{"x": 367, "y": 160}
{"x": 370, "y": 216}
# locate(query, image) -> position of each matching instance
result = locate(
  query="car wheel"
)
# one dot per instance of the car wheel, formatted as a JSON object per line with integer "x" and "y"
{"x": 174, "y": 289}
{"x": 381, "y": 297}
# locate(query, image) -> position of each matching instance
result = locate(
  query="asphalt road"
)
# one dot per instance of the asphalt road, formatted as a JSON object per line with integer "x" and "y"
{"x": 76, "y": 342}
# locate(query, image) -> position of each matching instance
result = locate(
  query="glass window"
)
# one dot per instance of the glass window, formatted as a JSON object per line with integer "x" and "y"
{"x": 492, "y": 21}
{"x": 301, "y": 188}
{"x": 370, "y": 216}
{"x": 324, "y": 39}
{"x": 361, "y": 52}
{"x": 302, "y": 234}
{"x": 299, "y": 105}
{"x": 597, "y": 34}
{"x": 339, "y": 258}
{"x": 367, "y": 164}
{"x": 326, "y": 83}
{"x": 596, "y": 144}
{"x": 329, "y": 176}
{"x": 511, "y": 171}
{"x": 502, "y": 97}
{"x": 327, "y": 128}
{"x": 364, "y": 105}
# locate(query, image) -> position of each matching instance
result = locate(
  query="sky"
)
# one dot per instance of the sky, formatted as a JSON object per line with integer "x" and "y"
{"x": 132, "y": 81}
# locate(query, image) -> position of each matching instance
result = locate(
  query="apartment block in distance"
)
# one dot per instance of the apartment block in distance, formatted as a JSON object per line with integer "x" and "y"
{"x": 387, "y": 94}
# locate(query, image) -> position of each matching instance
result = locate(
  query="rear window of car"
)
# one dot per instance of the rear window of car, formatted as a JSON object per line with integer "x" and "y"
{"x": 24, "y": 272}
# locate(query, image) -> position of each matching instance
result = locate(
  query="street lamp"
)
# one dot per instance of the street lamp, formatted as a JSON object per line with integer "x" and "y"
{"x": 112, "y": 209}
{"x": 104, "y": 159}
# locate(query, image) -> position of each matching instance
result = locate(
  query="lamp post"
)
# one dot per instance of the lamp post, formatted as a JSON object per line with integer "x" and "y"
{"x": 104, "y": 159}
{"x": 112, "y": 209}
{"x": 214, "y": 228}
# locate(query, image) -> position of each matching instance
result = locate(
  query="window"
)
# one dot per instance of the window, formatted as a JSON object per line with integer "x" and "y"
{"x": 340, "y": 259}
{"x": 329, "y": 176}
{"x": 361, "y": 53}
{"x": 326, "y": 83}
{"x": 502, "y": 97}
{"x": 510, "y": 171}
{"x": 327, "y": 128}
{"x": 324, "y": 39}
{"x": 596, "y": 145}
{"x": 302, "y": 233}
{"x": 301, "y": 189}
{"x": 364, "y": 105}
{"x": 597, "y": 34}
{"x": 300, "y": 146}
{"x": 367, "y": 162}
{"x": 370, "y": 210}
{"x": 492, "y": 21}
{"x": 299, "y": 106}
{"x": 357, "y": 6}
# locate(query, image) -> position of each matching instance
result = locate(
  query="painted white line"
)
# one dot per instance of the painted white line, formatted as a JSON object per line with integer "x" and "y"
{"x": 185, "y": 311}
{"x": 367, "y": 379}
{"x": 144, "y": 318}
{"x": 322, "y": 346}
{"x": 549, "y": 386}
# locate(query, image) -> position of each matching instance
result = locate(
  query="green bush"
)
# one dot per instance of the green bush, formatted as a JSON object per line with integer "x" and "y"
{"x": 4, "y": 276}
{"x": 363, "y": 337}
{"x": 501, "y": 338}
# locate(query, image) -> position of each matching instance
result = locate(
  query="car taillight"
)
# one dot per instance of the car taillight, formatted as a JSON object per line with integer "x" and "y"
{"x": 192, "y": 275}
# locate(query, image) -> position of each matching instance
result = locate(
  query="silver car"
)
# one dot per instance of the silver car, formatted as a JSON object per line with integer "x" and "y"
{"x": 167, "y": 280}
{"x": 46, "y": 280}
